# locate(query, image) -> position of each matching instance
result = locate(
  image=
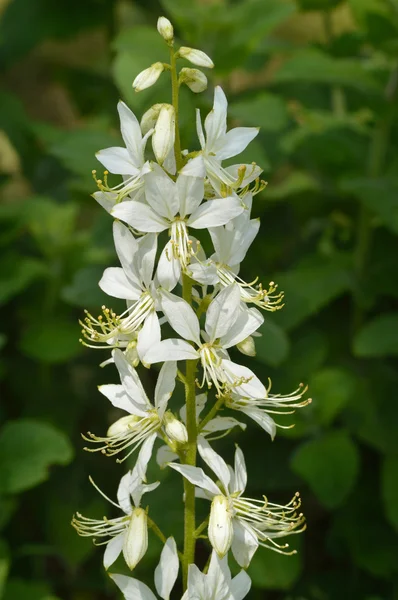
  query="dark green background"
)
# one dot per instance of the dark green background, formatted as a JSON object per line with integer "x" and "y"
{"x": 320, "y": 78}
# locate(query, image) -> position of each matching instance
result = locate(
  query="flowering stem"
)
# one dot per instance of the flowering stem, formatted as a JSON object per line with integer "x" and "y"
{"x": 174, "y": 96}
{"x": 212, "y": 413}
{"x": 190, "y": 455}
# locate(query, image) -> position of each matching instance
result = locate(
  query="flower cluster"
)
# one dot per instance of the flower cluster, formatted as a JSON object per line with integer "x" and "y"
{"x": 161, "y": 210}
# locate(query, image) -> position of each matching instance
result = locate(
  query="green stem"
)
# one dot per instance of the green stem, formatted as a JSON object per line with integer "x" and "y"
{"x": 175, "y": 102}
{"x": 212, "y": 413}
{"x": 337, "y": 93}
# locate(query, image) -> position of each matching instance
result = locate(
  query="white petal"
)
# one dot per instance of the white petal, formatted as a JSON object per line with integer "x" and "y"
{"x": 145, "y": 257}
{"x": 169, "y": 268}
{"x": 214, "y": 212}
{"x": 130, "y": 380}
{"x": 197, "y": 57}
{"x": 204, "y": 273}
{"x": 244, "y": 543}
{"x": 113, "y": 550}
{"x": 234, "y": 142}
{"x": 114, "y": 282}
{"x": 140, "y": 216}
{"x": 251, "y": 173}
{"x": 196, "y": 585}
{"x": 199, "y": 129}
{"x": 248, "y": 321}
{"x": 117, "y": 160}
{"x": 253, "y": 388}
{"x": 197, "y": 476}
{"x": 136, "y": 538}
{"x": 181, "y": 316}
{"x": 161, "y": 192}
{"x": 131, "y": 133}
{"x": 126, "y": 247}
{"x": 117, "y": 396}
{"x": 163, "y": 137}
{"x": 123, "y": 492}
{"x": 143, "y": 459}
{"x": 190, "y": 193}
{"x": 132, "y": 589}
{"x": 167, "y": 570}
{"x": 222, "y": 241}
{"x": 165, "y": 455}
{"x": 220, "y": 529}
{"x": 242, "y": 242}
{"x": 213, "y": 460}
{"x": 105, "y": 199}
{"x": 148, "y": 336}
{"x": 240, "y": 586}
{"x": 240, "y": 471}
{"x": 216, "y": 120}
{"x": 222, "y": 424}
{"x": 171, "y": 349}
{"x": 262, "y": 418}
{"x": 223, "y": 311}
{"x": 165, "y": 386}
{"x": 194, "y": 167}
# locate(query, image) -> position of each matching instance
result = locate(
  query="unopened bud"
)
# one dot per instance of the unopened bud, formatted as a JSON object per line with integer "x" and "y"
{"x": 148, "y": 77}
{"x": 136, "y": 538}
{"x": 247, "y": 346}
{"x": 149, "y": 118}
{"x": 196, "y": 57}
{"x": 175, "y": 430}
{"x": 165, "y": 28}
{"x": 163, "y": 136}
{"x": 194, "y": 79}
{"x": 122, "y": 425}
{"x": 220, "y": 525}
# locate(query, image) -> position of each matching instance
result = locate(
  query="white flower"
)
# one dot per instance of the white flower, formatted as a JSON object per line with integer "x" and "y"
{"x": 226, "y": 325}
{"x": 148, "y": 77}
{"x": 236, "y": 521}
{"x": 134, "y": 282}
{"x": 165, "y": 28}
{"x": 218, "y": 144}
{"x": 163, "y": 136}
{"x": 194, "y": 79}
{"x": 144, "y": 419}
{"x": 217, "y": 584}
{"x": 196, "y": 57}
{"x": 129, "y": 161}
{"x": 175, "y": 206}
{"x": 165, "y": 577}
{"x": 259, "y": 409}
{"x": 128, "y": 534}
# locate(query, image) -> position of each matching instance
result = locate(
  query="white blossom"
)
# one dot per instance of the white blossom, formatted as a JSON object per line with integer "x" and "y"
{"x": 165, "y": 28}
{"x": 148, "y": 77}
{"x": 196, "y": 57}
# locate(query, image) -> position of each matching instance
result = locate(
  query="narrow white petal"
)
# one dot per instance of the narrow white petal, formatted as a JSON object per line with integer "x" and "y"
{"x": 216, "y": 120}
{"x": 215, "y": 212}
{"x": 114, "y": 282}
{"x": 166, "y": 572}
{"x": 132, "y": 589}
{"x": 169, "y": 268}
{"x": 165, "y": 385}
{"x": 140, "y": 468}
{"x": 199, "y": 129}
{"x": 161, "y": 192}
{"x": 204, "y": 273}
{"x": 223, "y": 311}
{"x": 126, "y": 247}
{"x": 244, "y": 543}
{"x": 105, "y": 199}
{"x": 145, "y": 257}
{"x": 117, "y": 160}
{"x": 234, "y": 142}
{"x": 181, "y": 316}
{"x": 123, "y": 492}
{"x": 149, "y": 335}
{"x": 242, "y": 242}
{"x": 171, "y": 349}
{"x": 248, "y": 321}
{"x": 240, "y": 586}
{"x": 261, "y": 418}
{"x": 190, "y": 193}
{"x": 113, "y": 549}
{"x": 165, "y": 455}
{"x": 240, "y": 471}
{"x": 130, "y": 380}
{"x": 222, "y": 424}
{"x": 140, "y": 216}
{"x": 131, "y": 133}
{"x": 253, "y": 388}
{"x": 194, "y": 167}
{"x": 213, "y": 460}
{"x": 117, "y": 396}
{"x": 197, "y": 476}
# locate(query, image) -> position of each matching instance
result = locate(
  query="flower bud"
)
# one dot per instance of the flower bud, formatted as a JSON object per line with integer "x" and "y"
{"x": 136, "y": 538}
{"x": 220, "y": 525}
{"x": 165, "y": 28}
{"x": 247, "y": 346}
{"x": 149, "y": 118}
{"x": 196, "y": 57}
{"x": 174, "y": 429}
{"x": 194, "y": 79}
{"x": 163, "y": 136}
{"x": 148, "y": 77}
{"x": 123, "y": 424}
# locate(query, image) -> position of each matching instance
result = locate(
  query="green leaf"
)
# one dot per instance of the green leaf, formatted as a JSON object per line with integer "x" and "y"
{"x": 273, "y": 346}
{"x": 389, "y": 488}
{"x": 4, "y": 565}
{"x": 330, "y": 466}
{"x": 379, "y": 195}
{"x": 378, "y": 338}
{"x": 17, "y": 273}
{"x": 313, "y": 66}
{"x": 309, "y": 288}
{"x": 27, "y": 450}
{"x": 264, "y": 110}
{"x": 273, "y": 571}
{"x": 331, "y": 389}
{"x": 51, "y": 341}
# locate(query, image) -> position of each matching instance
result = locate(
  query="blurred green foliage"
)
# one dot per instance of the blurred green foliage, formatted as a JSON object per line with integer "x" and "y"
{"x": 320, "y": 77}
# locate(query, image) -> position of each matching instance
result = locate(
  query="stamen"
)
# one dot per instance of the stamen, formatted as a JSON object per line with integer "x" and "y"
{"x": 253, "y": 292}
